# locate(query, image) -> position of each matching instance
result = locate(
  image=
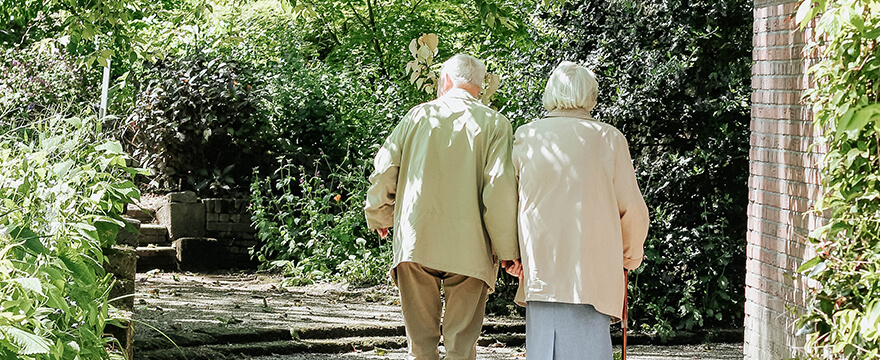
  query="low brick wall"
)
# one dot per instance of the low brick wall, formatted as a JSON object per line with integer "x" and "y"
{"x": 209, "y": 233}
{"x": 230, "y": 219}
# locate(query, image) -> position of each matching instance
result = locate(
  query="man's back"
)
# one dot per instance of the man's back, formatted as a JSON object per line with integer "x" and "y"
{"x": 454, "y": 164}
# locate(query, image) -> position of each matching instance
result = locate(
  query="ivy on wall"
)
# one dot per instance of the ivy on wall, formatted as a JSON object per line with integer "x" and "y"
{"x": 843, "y": 315}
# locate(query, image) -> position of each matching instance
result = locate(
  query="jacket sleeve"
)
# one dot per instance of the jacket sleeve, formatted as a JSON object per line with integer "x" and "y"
{"x": 499, "y": 194}
{"x": 379, "y": 207}
{"x": 634, "y": 218}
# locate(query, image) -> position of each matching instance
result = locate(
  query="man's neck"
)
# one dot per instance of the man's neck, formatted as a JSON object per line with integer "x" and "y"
{"x": 472, "y": 89}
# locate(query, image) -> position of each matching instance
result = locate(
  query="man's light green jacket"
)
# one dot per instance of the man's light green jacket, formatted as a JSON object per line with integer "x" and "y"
{"x": 445, "y": 182}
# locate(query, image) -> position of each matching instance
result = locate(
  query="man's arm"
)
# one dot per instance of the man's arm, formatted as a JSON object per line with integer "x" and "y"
{"x": 499, "y": 193}
{"x": 379, "y": 207}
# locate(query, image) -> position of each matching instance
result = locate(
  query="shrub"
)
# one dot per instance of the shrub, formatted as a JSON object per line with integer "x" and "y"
{"x": 843, "y": 310}
{"x": 313, "y": 227}
{"x": 42, "y": 79}
{"x": 61, "y": 195}
{"x": 674, "y": 78}
{"x": 193, "y": 123}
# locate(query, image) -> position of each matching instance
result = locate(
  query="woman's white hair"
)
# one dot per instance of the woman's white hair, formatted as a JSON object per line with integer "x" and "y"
{"x": 571, "y": 86}
{"x": 464, "y": 69}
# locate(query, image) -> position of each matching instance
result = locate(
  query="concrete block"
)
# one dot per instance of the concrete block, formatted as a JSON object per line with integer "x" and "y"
{"x": 200, "y": 253}
{"x": 122, "y": 263}
{"x": 183, "y": 219}
{"x": 123, "y": 333}
{"x": 224, "y": 218}
{"x": 128, "y": 235}
{"x": 209, "y": 205}
{"x": 221, "y": 227}
{"x": 210, "y": 216}
{"x": 160, "y": 257}
{"x": 243, "y": 228}
{"x": 188, "y": 197}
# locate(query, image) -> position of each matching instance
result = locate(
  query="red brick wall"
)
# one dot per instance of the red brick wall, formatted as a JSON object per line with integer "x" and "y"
{"x": 783, "y": 183}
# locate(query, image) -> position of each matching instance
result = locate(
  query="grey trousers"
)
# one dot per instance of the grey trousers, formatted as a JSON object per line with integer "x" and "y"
{"x": 559, "y": 331}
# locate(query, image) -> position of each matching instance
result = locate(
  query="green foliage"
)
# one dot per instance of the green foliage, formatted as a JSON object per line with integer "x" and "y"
{"x": 314, "y": 227}
{"x": 62, "y": 190}
{"x": 674, "y": 78}
{"x": 41, "y": 79}
{"x": 193, "y": 118}
{"x": 97, "y": 31}
{"x": 843, "y": 314}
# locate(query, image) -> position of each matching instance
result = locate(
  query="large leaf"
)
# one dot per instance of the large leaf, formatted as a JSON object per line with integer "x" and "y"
{"x": 28, "y": 344}
{"x": 30, "y": 284}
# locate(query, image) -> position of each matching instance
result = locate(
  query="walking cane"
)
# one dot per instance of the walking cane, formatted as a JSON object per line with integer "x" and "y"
{"x": 623, "y": 318}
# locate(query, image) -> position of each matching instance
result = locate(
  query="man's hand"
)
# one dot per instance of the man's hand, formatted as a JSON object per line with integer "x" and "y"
{"x": 383, "y": 232}
{"x": 513, "y": 267}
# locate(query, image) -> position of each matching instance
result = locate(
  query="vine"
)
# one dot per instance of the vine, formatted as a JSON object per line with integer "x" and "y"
{"x": 843, "y": 312}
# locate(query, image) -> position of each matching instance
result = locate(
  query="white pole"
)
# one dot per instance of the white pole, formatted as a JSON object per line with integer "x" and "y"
{"x": 105, "y": 87}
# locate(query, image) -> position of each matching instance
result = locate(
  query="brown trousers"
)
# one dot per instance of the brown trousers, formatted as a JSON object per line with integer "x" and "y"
{"x": 422, "y": 309}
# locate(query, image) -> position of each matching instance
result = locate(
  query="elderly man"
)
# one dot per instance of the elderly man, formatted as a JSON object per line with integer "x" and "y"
{"x": 444, "y": 180}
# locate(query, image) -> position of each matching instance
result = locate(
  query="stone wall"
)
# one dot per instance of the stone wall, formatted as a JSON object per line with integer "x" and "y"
{"x": 230, "y": 219}
{"x": 783, "y": 183}
{"x": 208, "y": 233}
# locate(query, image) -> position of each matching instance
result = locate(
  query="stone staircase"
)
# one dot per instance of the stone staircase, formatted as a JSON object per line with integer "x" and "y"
{"x": 154, "y": 248}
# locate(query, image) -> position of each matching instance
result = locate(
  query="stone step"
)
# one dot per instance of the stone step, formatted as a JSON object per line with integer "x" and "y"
{"x": 154, "y": 234}
{"x": 278, "y": 347}
{"x": 146, "y": 216}
{"x": 156, "y": 257}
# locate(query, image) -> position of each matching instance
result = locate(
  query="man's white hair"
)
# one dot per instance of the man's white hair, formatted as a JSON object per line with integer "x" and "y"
{"x": 571, "y": 86}
{"x": 464, "y": 69}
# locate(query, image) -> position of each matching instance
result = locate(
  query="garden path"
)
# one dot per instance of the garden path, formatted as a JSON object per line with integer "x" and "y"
{"x": 249, "y": 316}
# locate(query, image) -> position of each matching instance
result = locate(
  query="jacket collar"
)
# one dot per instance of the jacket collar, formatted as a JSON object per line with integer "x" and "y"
{"x": 459, "y": 93}
{"x": 572, "y": 113}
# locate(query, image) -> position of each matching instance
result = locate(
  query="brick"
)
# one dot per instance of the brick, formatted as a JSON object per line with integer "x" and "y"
{"x": 795, "y": 67}
{"x": 797, "y": 113}
{"x": 786, "y": 157}
{"x": 781, "y": 82}
{"x": 778, "y": 171}
{"x": 800, "y": 128}
{"x": 774, "y": 23}
{"x": 794, "y": 207}
{"x": 219, "y": 227}
{"x": 762, "y": 96}
{"x": 224, "y": 218}
{"x": 770, "y": 242}
{"x": 766, "y": 11}
{"x": 779, "y": 38}
{"x": 800, "y": 189}
{"x": 786, "y": 142}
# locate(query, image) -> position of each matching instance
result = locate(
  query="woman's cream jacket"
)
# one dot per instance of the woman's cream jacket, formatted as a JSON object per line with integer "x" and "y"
{"x": 581, "y": 216}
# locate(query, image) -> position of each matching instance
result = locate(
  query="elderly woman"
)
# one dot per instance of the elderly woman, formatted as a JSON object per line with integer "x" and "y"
{"x": 582, "y": 221}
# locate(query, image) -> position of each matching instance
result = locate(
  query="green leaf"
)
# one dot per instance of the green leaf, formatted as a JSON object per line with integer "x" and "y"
{"x": 111, "y": 147}
{"x": 860, "y": 119}
{"x": 30, "y": 284}
{"x": 809, "y": 264}
{"x": 63, "y": 168}
{"x": 28, "y": 344}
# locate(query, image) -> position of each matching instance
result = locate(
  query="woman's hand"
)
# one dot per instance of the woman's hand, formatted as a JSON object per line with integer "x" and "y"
{"x": 513, "y": 267}
{"x": 383, "y": 232}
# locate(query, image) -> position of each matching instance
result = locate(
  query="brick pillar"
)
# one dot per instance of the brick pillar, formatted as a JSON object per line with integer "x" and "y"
{"x": 783, "y": 183}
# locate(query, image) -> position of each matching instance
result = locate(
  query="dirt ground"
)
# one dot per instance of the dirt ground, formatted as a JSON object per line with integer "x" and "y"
{"x": 203, "y": 310}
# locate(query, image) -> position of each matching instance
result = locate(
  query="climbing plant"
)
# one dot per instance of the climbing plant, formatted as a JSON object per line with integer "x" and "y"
{"x": 843, "y": 312}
